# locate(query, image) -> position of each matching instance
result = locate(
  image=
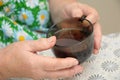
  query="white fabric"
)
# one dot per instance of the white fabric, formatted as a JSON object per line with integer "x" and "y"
{"x": 103, "y": 66}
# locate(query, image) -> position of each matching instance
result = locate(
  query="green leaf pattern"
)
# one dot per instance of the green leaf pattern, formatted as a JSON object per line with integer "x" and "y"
{"x": 19, "y": 20}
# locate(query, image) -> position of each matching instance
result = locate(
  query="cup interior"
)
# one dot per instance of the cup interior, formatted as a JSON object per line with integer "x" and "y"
{"x": 75, "y": 29}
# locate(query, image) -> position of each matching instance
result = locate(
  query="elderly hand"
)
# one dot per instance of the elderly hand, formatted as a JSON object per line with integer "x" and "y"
{"x": 20, "y": 60}
{"x": 76, "y": 9}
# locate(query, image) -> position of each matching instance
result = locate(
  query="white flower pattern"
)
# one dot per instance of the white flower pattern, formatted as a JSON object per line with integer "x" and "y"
{"x": 6, "y": 27}
{"x": 26, "y": 16}
{"x": 32, "y": 3}
{"x": 9, "y": 9}
{"x": 5, "y": 1}
{"x": 96, "y": 77}
{"x": 42, "y": 5}
{"x": 25, "y": 13}
{"x": 21, "y": 35}
{"x": 109, "y": 66}
{"x": 43, "y": 17}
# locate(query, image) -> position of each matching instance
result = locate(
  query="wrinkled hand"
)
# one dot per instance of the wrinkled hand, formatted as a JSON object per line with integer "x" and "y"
{"x": 20, "y": 60}
{"x": 77, "y": 9}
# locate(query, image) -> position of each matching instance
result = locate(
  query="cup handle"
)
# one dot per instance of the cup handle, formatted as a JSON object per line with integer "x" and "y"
{"x": 82, "y": 18}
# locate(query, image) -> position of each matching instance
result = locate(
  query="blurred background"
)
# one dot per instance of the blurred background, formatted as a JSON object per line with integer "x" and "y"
{"x": 109, "y": 11}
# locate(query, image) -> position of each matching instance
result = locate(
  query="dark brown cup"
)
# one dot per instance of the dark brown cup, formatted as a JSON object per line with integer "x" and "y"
{"x": 74, "y": 38}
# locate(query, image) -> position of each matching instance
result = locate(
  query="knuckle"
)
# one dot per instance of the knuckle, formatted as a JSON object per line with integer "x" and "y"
{"x": 92, "y": 10}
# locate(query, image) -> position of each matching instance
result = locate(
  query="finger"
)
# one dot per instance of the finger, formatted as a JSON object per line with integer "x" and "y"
{"x": 90, "y": 12}
{"x": 73, "y": 10}
{"x": 65, "y": 73}
{"x": 42, "y": 44}
{"x": 76, "y": 12}
{"x": 97, "y": 37}
{"x": 52, "y": 64}
{"x": 92, "y": 18}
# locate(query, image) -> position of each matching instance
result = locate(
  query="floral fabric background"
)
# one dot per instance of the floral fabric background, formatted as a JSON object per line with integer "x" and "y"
{"x": 20, "y": 18}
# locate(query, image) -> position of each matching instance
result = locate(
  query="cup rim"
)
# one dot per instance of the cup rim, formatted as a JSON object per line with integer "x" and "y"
{"x": 92, "y": 31}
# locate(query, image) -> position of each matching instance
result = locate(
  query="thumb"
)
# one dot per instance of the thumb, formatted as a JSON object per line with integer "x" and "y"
{"x": 42, "y": 44}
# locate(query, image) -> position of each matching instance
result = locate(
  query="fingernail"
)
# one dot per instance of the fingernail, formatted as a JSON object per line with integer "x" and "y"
{"x": 96, "y": 51}
{"x": 73, "y": 61}
{"x": 76, "y": 62}
{"x": 51, "y": 39}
